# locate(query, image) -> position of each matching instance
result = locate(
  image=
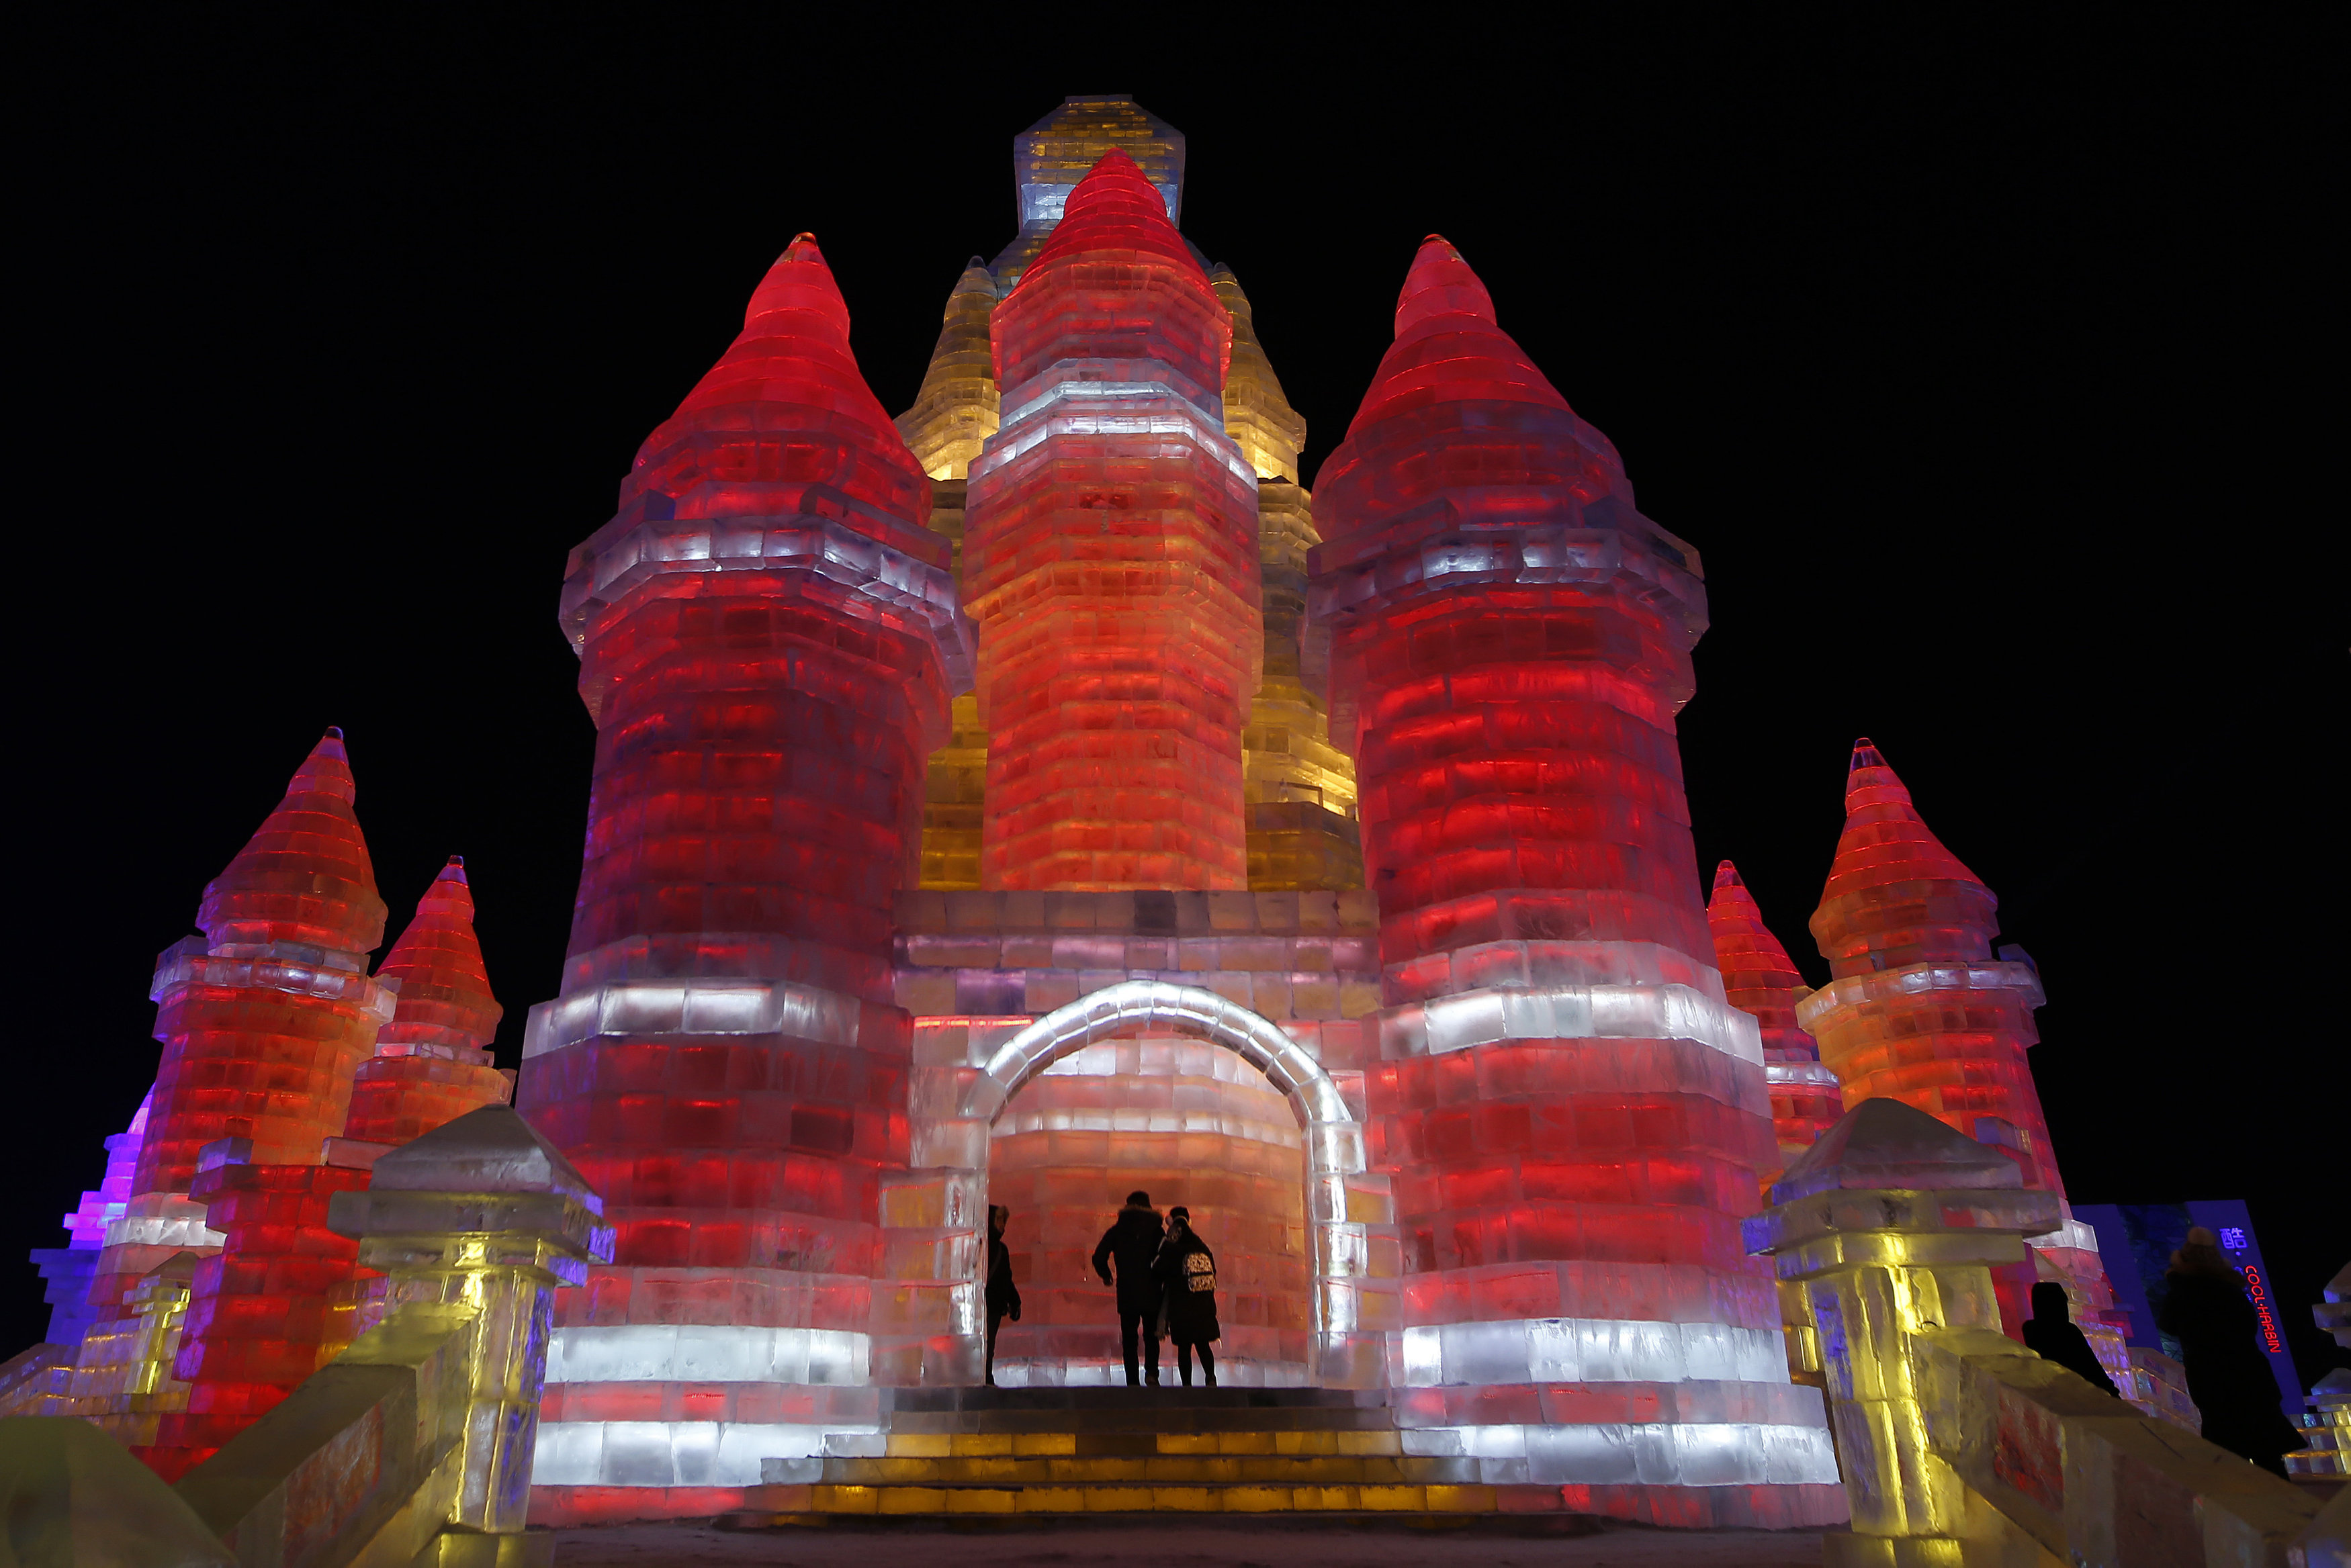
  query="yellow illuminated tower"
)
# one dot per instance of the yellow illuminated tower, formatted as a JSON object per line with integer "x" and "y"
{"x": 1299, "y": 789}
{"x": 953, "y": 416}
{"x": 956, "y": 411}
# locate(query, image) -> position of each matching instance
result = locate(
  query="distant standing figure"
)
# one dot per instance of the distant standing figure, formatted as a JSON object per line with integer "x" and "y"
{"x": 1003, "y": 1295}
{"x": 2052, "y": 1334}
{"x": 1188, "y": 1284}
{"x": 1134, "y": 1241}
{"x": 2204, "y": 1307}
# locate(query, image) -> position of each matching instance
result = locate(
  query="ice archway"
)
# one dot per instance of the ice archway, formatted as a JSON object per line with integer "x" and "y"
{"x": 1345, "y": 1206}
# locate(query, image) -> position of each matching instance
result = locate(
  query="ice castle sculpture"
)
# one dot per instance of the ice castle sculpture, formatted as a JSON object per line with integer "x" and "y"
{"x": 1043, "y": 796}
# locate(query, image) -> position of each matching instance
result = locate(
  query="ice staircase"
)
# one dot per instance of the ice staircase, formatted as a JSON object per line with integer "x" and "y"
{"x": 981, "y": 1452}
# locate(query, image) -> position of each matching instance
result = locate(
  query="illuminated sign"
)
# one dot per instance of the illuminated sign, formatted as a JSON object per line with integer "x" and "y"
{"x": 2135, "y": 1241}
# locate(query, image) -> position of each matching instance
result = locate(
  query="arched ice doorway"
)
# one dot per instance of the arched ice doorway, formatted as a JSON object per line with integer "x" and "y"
{"x": 1347, "y": 1212}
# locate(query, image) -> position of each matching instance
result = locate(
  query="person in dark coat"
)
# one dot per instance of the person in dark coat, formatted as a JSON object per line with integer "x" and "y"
{"x": 1187, "y": 1290}
{"x": 1134, "y": 1241}
{"x": 1003, "y": 1295}
{"x": 2205, "y": 1308}
{"x": 2052, "y": 1334}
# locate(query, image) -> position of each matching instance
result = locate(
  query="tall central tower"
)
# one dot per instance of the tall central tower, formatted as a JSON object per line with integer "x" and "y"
{"x": 1110, "y": 557}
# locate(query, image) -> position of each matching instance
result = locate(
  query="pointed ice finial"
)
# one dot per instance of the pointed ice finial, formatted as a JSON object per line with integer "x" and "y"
{"x": 1750, "y": 956}
{"x": 326, "y": 770}
{"x": 1896, "y": 895}
{"x": 304, "y": 877}
{"x": 1257, "y": 414}
{"x": 445, "y": 988}
{"x": 799, "y": 281}
{"x": 1868, "y": 780}
{"x": 789, "y": 370}
{"x": 1115, "y": 208}
{"x": 1440, "y": 284}
{"x": 956, "y": 410}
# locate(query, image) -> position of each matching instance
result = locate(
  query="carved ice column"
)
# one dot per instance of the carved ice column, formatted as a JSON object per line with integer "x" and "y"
{"x": 484, "y": 1213}
{"x": 1889, "y": 1227}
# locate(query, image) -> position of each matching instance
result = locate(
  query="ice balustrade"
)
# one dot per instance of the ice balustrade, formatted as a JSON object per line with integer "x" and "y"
{"x": 1959, "y": 1446}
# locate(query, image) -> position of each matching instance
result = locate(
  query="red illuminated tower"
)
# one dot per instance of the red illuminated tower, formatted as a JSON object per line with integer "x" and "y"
{"x": 1112, "y": 557}
{"x": 432, "y": 1062}
{"x": 263, "y": 1019}
{"x": 1572, "y": 1113}
{"x": 262, "y": 1032}
{"x": 769, "y": 638}
{"x": 1917, "y": 1008}
{"x": 1759, "y": 978}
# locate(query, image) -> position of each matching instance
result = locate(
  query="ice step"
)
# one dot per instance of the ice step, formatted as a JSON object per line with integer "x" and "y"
{"x": 1255, "y": 1469}
{"x": 783, "y": 1505}
{"x": 936, "y": 1411}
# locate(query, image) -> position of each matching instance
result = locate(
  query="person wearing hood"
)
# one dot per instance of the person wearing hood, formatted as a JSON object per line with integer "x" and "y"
{"x": 1132, "y": 1240}
{"x": 1187, "y": 1292}
{"x": 2205, "y": 1309}
{"x": 2052, "y": 1334}
{"x": 1003, "y": 1295}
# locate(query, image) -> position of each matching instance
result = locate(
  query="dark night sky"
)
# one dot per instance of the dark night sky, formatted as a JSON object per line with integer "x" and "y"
{"x": 1976, "y": 357}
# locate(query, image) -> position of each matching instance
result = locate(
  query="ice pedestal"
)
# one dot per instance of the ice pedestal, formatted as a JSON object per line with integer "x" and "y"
{"x": 1889, "y": 1227}
{"x": 484, "y": 1214}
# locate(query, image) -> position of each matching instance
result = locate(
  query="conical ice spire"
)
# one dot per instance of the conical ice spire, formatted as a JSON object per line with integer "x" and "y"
{"x": 305, "y": 876}
{"x": 956, "y": 411}
{"x": 1895, "y": 897}
{"x": 1757, "y": 973}
{"x": 1440, "y": 284}
{"x": 1258, "y": 416}
{"x": 1115, "y": 209}
{"x": 1448, "y": 348}
{"x": 1759, "y": 978}
{"x": 444, "y": 991}
{"x": 790, "y": 370}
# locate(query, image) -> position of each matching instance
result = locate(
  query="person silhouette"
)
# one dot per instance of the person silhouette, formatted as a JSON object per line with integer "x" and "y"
{"x": 1187, "y": 1293}
{"x": 1003, "y": 1295}
{"x": 1132, "y": 1240}
{"x": 2052, "y": 1334}
{"x": 2206, "y": 1309}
